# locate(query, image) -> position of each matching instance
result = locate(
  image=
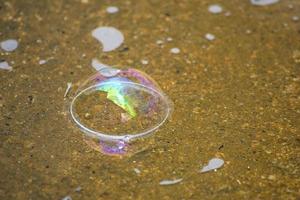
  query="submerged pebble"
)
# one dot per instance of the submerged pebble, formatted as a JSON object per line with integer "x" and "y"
{"x": 112, "y": 9}
{"x": 9, "y": 45}
{"x": 213, "y": 164}
{"x": 263, "y": 2}
{"x": 4, "y": 65}
{"x": 175, "y": 50}
{"x": 209, "y": 36}
{"x": 170, "y": 182}
{"x": 110, "y": 37}
{"x": 215, "y": 9}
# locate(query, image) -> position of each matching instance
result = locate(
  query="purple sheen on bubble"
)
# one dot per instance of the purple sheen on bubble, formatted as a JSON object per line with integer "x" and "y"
{"x": 117, "y": 147}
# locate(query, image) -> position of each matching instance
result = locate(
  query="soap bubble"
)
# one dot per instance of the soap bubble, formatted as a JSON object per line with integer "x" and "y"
{"x": 113, "y": 109}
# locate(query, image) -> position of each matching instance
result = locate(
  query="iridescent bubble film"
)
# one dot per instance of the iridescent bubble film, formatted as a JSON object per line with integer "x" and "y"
{"x": 115, "y": 108}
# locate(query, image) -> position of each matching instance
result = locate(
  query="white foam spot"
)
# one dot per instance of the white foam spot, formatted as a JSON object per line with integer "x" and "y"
{"x": 215, "y": 9}
{"x": 9, "y": 45}
{"x": 110, "y": 37}
{"x": 170, "y": 182}
{"x": 4, "y": 65}
{"x": 263, "y": 2}
{"x": 41, "y": 62}
{"x": 104, "y": 69}
{"x": 175, "y": 50}
{"x": 112, "y": 9}
{"x": 209, "y": 36}
{"x": 213, "y": 164}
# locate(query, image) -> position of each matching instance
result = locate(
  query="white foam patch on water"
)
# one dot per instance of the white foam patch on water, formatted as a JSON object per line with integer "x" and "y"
{"x": 263, "y": 2}
{"x": 170, "y": 182}
{"x": 213, "y": 164}
{"x": 209, "y": 36}
{"x": 112, "y": 9}
{"x": 104, "y": 69}
{"x": 110, "y": 37}
{"x": 4, "y": 65}
{"x": 9, "y": 45}
{"x": 215, "y": 9}
{"x": 175, "y": 50}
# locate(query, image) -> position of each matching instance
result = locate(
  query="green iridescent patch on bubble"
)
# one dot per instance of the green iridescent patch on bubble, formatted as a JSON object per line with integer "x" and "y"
{"x": 115, "y": 93}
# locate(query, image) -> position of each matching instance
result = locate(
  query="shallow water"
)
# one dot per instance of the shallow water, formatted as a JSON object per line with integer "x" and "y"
{"x": 236, "y": 98}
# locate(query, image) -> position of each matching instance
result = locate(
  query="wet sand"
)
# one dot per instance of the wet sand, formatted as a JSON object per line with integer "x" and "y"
{"x": 236, "y": 97}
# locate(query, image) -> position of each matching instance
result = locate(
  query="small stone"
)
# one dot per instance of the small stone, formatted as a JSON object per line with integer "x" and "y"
{"x": 136, "y": 170}
{"x": 272, "y": 177}
{"x": 87, "y": 116}
{"x": 209, "y": 36}
{"x": 169, "y": 39}
{"x": 144, "y": 62}
{"x": 159, "y": 42}
{"x": 248, "y": 31}
{"x": 296, "y": 56}
{"x": 295, "y": 18}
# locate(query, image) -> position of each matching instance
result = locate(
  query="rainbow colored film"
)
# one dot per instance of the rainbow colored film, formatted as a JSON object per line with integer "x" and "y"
{"x": 115, "y": 89}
